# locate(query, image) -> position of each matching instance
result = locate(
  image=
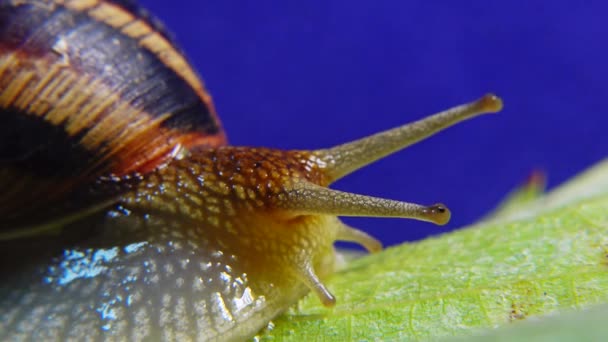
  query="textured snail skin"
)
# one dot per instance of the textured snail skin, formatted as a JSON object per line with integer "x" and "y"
{"x": 203, "y": 256}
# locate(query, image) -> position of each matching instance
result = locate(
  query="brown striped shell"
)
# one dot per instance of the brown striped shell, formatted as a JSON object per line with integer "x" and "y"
{"x": 89, "y": 90}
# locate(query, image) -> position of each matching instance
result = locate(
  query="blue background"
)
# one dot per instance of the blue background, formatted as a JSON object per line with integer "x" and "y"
{"x": 312, "y": 74}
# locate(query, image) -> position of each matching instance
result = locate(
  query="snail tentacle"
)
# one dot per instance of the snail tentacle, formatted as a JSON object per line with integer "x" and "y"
{"x": 350, "y": 234}
{"x": 343, "y": 159}
{"x": 310, "y": 199}
{"x": 313, "y": 282}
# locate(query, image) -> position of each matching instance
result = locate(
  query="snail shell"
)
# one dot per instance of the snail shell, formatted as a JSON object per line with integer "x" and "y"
{"x": 125, "y": 215}
{"x": 99, "y": 91}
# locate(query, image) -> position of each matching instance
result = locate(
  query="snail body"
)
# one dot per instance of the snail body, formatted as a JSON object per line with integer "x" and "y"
{"x": 127, "y": 215}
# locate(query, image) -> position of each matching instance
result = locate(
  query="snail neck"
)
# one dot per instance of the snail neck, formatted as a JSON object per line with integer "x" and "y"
{"x": 232, "y": 196}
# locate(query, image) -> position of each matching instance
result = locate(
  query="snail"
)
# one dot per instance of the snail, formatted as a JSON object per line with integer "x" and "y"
{"x": 125, "y": 213}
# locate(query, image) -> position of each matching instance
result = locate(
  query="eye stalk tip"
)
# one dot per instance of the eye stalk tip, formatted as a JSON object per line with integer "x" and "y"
{"x": 490, "y": 103}
{"x": 438, "y": 214}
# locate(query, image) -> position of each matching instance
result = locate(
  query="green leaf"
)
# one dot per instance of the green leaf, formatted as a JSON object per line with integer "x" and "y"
{"x": 542, "y": 258}
{"x": 587, "y": 325}
{"x": 525, "y": 194}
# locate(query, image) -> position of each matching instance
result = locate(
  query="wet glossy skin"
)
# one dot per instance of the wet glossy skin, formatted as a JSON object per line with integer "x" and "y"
{"x": 204, "y": 255}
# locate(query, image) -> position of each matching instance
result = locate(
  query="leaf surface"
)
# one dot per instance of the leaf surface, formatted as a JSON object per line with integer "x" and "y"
{"x": 541, "y": 258}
